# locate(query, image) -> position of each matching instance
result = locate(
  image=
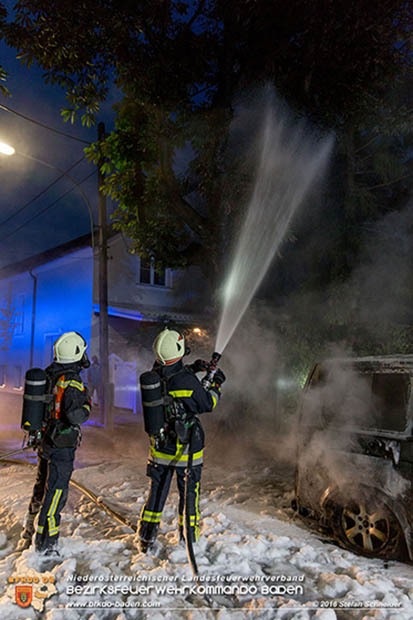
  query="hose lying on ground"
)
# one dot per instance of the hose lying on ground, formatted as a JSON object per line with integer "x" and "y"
{"x": 112, "y": 513}
{"x": 87, "y": 492}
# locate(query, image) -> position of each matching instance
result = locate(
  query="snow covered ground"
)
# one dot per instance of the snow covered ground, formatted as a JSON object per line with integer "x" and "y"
{"x": 255, "y": 561}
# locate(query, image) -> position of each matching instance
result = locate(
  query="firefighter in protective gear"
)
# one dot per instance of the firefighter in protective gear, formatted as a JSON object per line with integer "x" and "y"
{"x": 171, "y": 453}
{"x": 67, "y": 409}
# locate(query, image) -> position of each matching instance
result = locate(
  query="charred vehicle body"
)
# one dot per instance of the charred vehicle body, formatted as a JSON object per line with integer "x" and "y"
{"x": 354, "y": 472}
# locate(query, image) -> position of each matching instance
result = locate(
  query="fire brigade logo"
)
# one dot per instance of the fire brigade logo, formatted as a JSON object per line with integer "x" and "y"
{"x": 31, "y": 589}
{"x": 24, "y": 595}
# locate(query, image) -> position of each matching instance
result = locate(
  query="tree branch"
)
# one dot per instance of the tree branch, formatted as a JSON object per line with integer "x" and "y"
{"x": 406, "y": 176}
{"x": 197, "y": 13}
{"x": 181, "y": 206}
{"x": 361, "y": 148}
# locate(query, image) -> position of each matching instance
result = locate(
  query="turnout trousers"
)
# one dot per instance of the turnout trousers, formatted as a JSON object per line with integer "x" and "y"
{"x": 50, "y": 494}
{"x": 161, "y": 476}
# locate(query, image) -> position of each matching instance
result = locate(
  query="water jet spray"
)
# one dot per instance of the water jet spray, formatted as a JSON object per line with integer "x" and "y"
{"x": 291, "y": 158}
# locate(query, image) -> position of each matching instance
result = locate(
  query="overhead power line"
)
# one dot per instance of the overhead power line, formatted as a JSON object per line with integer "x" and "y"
{"x": 62, "y": 176}
{"x": 47, "y": 208}
{"x": 32, "y": 120}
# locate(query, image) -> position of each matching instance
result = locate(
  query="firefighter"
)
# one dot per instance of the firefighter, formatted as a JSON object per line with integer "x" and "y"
{"x": 169, "y": 454}
{"x": 68, "y": 407}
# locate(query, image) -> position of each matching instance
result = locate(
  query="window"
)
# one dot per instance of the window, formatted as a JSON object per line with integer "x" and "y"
{"x": 149, "y": 274}
{"x": 145, "y": 272}
{"x": 390, "y": 397}
{"x": 19, "y": 315}
{"x": 159, "y": 277}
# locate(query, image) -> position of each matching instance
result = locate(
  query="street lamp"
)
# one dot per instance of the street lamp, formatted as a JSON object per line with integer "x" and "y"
{"x": 6, "y": 149}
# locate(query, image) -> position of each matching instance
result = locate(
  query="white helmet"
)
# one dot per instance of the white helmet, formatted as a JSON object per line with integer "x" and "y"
{"x": 69, "y": 348}
{"x": 169, "y": 346}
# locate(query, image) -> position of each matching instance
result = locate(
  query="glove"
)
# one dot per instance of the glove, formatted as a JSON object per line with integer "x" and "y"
{"x": 219, "y": 378}
{"x": 198, "y": 366}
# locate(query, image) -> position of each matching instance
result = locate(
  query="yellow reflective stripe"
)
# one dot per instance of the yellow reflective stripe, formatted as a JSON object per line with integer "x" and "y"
{"x": 181, "y": 393}
{"x": 150, "y": 516}
{"x": 197, "y": 514}
{"x": 40, "y": 529}
{"x": 55, "y": 501}
{"x": 183, "y": 458}
{"x": 62, "y": 384}
{"x": 179, "y": 449}
{"x": 77, "y": 384}
{"x": 214, "y": 399}
{"x": 53, "y": 528}
{"x": 87, "y": 407}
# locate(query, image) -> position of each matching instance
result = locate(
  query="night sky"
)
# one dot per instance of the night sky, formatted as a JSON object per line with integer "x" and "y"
{"x": 21, "y": 179}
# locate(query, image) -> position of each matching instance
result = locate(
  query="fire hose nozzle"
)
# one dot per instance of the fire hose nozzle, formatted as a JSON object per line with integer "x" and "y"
{"x": 212, "y": 367}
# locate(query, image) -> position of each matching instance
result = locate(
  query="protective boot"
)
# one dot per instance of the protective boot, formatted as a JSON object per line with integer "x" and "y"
{"x": 27, "y": 534}
{"x": 144, "y": 545}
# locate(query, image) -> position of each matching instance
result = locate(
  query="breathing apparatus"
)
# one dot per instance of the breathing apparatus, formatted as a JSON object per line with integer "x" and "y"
{"x": 69, "y": 348}
{"x": 160, "y": 409}
{"x": 35, "y": 397}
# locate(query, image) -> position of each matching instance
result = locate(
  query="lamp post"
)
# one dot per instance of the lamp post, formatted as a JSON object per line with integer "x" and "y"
{"x": 104, "y": 396}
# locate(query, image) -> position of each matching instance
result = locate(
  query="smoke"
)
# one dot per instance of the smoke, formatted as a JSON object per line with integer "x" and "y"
{"x": 289, "y": 159}
{"x": 338, "y": 403}
{"x": 252, "y": 362}
{"x": 382, "y": 283}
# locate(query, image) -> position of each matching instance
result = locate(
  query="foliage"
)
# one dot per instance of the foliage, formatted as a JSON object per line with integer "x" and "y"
{"x": 179, "y": 65}
{"x": 3, "y": 74}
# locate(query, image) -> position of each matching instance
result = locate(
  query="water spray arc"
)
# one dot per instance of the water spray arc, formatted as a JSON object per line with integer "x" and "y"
{"x": 290, "y": 160}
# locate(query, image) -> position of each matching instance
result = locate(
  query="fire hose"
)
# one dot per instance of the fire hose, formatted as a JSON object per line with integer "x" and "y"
{"x": 80, "y": 487}
{"x": 115, "y": 515}
{"x": 6, "y": 456}
{"x": 211, "y": 368}
{"x": 188, "y": 533}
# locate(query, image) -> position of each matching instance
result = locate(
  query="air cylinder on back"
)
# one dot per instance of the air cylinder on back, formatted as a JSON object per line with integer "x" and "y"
{"x": 152, "y": 402}
{"x": 34, "y": 399}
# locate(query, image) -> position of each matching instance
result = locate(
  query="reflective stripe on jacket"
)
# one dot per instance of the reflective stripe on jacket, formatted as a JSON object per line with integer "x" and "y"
{"x": 184, "y": 386}
{"x": 178, "y": 459}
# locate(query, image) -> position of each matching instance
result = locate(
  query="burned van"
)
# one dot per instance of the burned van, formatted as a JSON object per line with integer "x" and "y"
{"x": 354, "y": 472}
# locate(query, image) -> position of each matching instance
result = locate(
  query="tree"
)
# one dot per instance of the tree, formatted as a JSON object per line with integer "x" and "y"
{"x": 179, "y": 65}
{"x": 3, "y": 74}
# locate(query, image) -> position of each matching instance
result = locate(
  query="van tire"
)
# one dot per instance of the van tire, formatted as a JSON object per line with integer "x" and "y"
{"x": 367, "y": 527}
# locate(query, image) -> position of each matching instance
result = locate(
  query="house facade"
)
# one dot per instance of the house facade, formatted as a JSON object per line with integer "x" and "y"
{"x": 57, "y": 291}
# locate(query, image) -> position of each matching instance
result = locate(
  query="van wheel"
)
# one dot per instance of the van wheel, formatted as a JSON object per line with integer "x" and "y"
{"x": 368, "y": 528}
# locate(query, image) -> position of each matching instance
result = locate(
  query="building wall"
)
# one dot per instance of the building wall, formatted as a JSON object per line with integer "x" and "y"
{"x": 63, "y": 303}
{"x": 182, "y": 289}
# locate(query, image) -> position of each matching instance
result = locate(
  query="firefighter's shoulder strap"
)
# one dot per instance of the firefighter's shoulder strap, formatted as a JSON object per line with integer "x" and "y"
{"x": 58, "y": 387}
{"x": 58, "y": 390}
{"x": 168, "y": 398}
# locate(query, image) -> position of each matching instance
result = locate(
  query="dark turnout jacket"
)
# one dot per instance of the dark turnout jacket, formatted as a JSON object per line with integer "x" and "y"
{"x": 69, "y": 407}
{"x": 184, "y": 386}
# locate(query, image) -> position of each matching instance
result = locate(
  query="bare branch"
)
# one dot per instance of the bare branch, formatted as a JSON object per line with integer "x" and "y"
{"x": 406, "y": 176}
